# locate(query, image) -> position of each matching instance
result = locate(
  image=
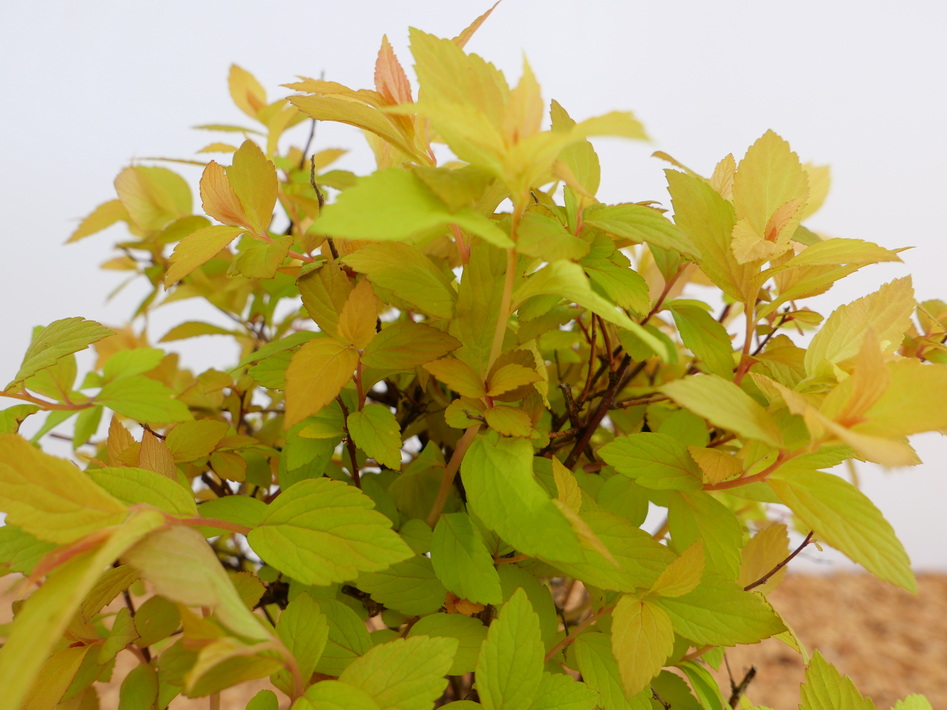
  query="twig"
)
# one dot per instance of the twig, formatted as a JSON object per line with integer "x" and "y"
{"x": 738, "y": 690}
{"x": 765, "y": 577}
{"x": 349, "y": 443}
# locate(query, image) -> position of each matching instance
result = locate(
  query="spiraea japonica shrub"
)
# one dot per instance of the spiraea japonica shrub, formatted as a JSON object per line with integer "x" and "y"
{"x": 457, "y": 388}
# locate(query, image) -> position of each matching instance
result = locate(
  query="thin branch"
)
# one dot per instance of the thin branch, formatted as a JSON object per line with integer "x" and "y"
{"x": 765, "y": 578}
{"x": 349, "y": 443}
{"x": 450, "y": 471}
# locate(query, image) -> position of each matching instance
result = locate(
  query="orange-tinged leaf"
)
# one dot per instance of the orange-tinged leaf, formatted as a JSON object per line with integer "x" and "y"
{"x": 390, "y": 79}
{"x": 49, "y": 497}
{"x": 722, "y": 179}
{"x": 359, "y": 316}
{"x": 458, "y": 376}
{"x": 218, "y": 198}
{"x": 462, "y": 39}
{"x": 316, "y": 375}
{"x": 642, "y": 640}
{"x": 119, "y": 439}
{"x": 510, "y": 377}
{"x": 246, "y": 91}
{"x": 254, "y": 183}
{"x": 155, "y": 456}
{"x": 683, "y": 574}
{"x": 197, "y": 248}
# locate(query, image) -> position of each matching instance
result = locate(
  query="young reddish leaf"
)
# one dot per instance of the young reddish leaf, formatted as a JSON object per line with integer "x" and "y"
{"x": 246, "y": 91}
{"x": 723, "y": 403}
{"x": 462, "y": 562}
{"x": 153, "y": 197}
{"x": 320, "y": 532}
{"x": 510, "y": 667}
{"x": 49, "y": 497}
{"x": 316, "y": 375}
{"x": 375, "y": 431}
{"x": 218, "y": 198}
{"x": 153, "y": 455}
{"x": 842, "y": 516}
{"x": 405, "y": 345}
{"x": 390, "y": 79}
{"x": 642, "y": 640}
{"x": 197, "y": 248}
{"x": 359, "y": 316}
{"x": 404, "y": 673}
{"x": 254, "y": 183}
{"x": 468, "y": 32}
{"x": 457, "y": 375}
{"x": 55, "y": 341}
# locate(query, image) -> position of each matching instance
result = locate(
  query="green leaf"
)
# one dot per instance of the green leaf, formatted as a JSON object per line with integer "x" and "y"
{"x": 462, "y": 562}
{"x": 139, "y": 688}
{"x": 12, "y": 417}
{"x": 57, "y": 340}
{"x": 336, "y": 695}
{"x": 304, "y": 629}
{"x": 566, "y": 279}
{"x": 654, "y": 460}
{"x": 705, "y": 337}
{"x": 913, "y": 702}
{"x": 723, "y": 403}
{"x": 348, "y": 637}
{"x": 144, "y": 400}
{"x": 153, "y": 196}
{"x": 321, "y": 531}
{"x": 719, "y": 613}
{"x": 543, "y": 236}
{"x": 405, "y": 345}
{"x": 642, "y": 640}
{"x": 395, "y": 205}
{"x": 193, "y": 329}
{"x": 137, "y": 485}
{"x": 698, "y": 516}
{"x": 264, "y": 700}
{"x": 510, "y": 668}
{"x": 126, "y": 363}
{"x": 375, "y": 431}
{"x": 641, "y": 223}
{"x": 407, "y": 674}
{"x": 242, "y": 510}
{"x": 469, "y": 632}
{"x": 410, "y": 587}
{"x": 827, "y": 689}
{"x": 502, "y": 492}
{"x": 640, "y": 558}
{"x": 21, "y": 551}
{"x": 845, "y": 518}
{"x": 708, "y": 219}
{"x": 410, "y": 275}
{"x": 197, "y": 248}
{"x": 49, "y": 497}
{"x": 622, "y": 284}
{"x": 599, "y": 670}
{"x": 559, "y": 691}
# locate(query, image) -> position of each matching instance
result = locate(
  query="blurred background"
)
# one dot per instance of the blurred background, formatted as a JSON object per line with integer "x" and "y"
{"x": 90, "y": 88}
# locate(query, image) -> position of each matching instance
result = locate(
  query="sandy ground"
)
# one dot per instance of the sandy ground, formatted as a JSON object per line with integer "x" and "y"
{"x": 889, "y": 641}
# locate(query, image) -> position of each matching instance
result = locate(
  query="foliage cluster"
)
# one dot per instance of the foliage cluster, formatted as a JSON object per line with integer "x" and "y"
{"x": 461, "y": 386}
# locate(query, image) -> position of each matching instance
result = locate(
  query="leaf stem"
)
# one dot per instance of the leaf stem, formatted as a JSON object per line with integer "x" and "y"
{"x": 571, "y": 637}
{"x": 450, "y": 471}
{"x": 765, "y": 578}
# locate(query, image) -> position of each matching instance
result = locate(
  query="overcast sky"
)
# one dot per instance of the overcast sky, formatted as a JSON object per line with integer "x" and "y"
{"x": 91, "y": 87}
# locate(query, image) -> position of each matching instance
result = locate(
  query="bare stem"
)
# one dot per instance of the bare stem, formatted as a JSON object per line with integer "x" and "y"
{"x": 449, "y": 472}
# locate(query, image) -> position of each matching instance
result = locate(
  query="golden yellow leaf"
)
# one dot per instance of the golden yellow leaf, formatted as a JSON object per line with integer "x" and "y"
{"x": 761, "y": 554}
{"x": 722, "y": 179}
{"x": 359, "y": 316}
{"x": 155, "y": 456}
{"x": 119, "y": 439}
{"x": 316, "y": 375}
{"x": 457, "y": 375}
{"x": 567, "y": 488}
{"x": 246, "y": 91}
{"x": 642, "y": 640}
{"x": 714, "y": 464}
{"x": 683, "y": 574}
{"x": 324, "y": 293}
{"x": 254, "y": 183}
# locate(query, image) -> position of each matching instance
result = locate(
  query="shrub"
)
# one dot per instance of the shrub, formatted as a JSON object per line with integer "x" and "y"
{"x": 460, "y": 386}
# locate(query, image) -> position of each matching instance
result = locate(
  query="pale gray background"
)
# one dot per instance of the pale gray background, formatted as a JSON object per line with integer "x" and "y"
{"x": 90, "y": 87}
